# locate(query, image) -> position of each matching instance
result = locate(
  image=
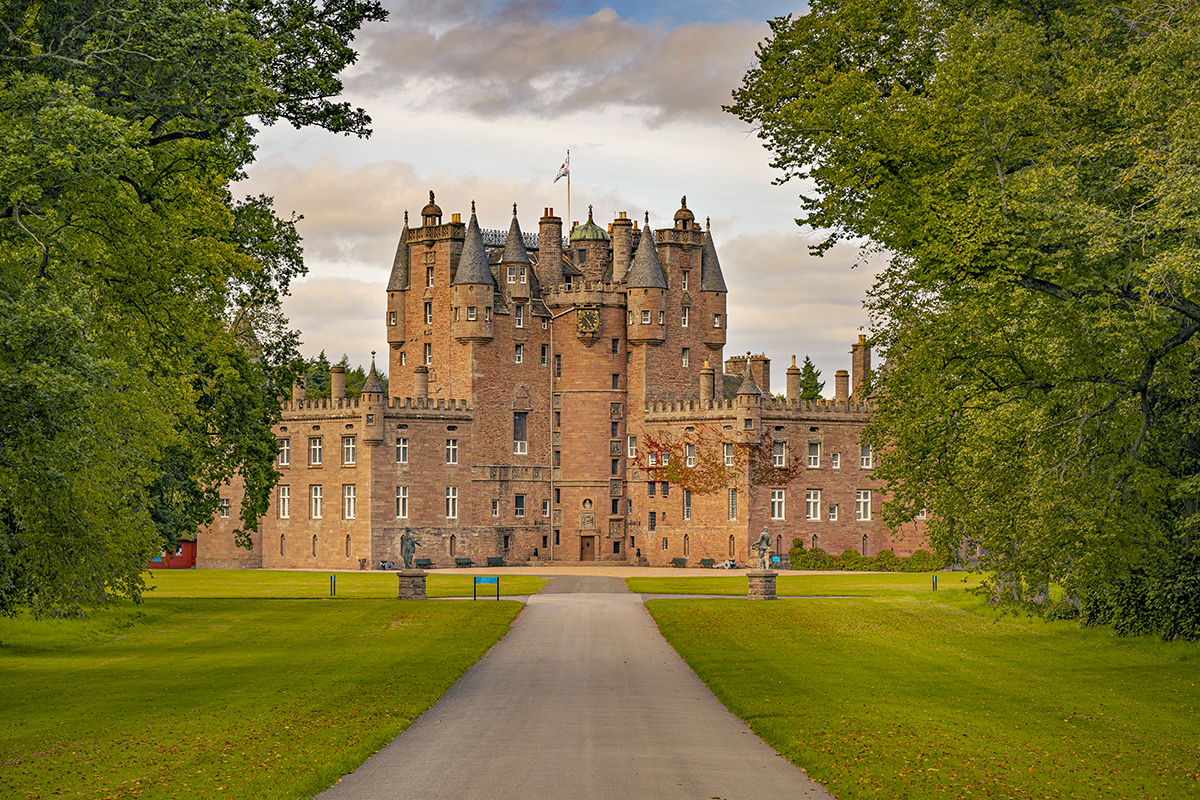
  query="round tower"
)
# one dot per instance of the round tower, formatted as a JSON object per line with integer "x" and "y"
{"x": 646, "y": 292}
{"x": 473, "y": 289}
{"x": 589, "y": 249}
{"x": 713, "y": 291}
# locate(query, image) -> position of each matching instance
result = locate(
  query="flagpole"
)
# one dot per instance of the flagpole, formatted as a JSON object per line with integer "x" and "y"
{"x": 568, "y": 193}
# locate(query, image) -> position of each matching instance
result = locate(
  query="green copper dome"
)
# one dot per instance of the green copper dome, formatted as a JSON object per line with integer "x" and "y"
{"x": 589, "y": 231}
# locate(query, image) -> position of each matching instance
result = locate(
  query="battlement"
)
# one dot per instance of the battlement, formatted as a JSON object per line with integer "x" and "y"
{"x": 320, "y": 404}
{"x": 689, "y": 407}
{"x": 584, "y": 292}
{"x": 822, "y": 406}
{"x": 778, "y": 409}
{"x": 693, "y": 236}
{"x": 428, "y": 404}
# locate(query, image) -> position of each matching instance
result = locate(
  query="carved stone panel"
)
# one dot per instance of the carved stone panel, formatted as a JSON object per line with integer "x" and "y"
{"x": 614, "y": 447}
{"x": 556, "y": 438}
{"x": 556, "y": 401}
{"x": 556, "y": 517}
{"x": 614, "y": 410}
{"x": 587, "y": 520}
{"x": 616, "y": 529}
{"x": 614, "y": 487}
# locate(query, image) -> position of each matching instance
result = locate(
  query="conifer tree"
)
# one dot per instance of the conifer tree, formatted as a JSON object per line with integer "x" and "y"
{"x": 811, "y": 384}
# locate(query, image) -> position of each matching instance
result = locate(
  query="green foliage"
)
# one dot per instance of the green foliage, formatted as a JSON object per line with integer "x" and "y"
{"x": 811, "y": 384}
{"x": 1031, "y": 172}
{"x": 141, "y": 345}
{"x": 883, "y": 698}
{"x": 279, "y": 699}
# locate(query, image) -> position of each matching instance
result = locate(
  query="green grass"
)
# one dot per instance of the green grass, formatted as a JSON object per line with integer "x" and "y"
{"x": 202, "y": 697}
{"x": 850, "y": 583}
{"x": 297, "y": 585}
{"x": 939, "y": 697}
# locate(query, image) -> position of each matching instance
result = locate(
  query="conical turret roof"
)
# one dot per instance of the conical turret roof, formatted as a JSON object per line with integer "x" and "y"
{"x": 748, "y": 385}
{"x": 645, "y": 272}
{"x": 398, "y": 282}
{"x": 711, "y": 278}
{"x": 514, "y": 247}
{"x": 473, "y": 263}
{"x": 372, "y": 384}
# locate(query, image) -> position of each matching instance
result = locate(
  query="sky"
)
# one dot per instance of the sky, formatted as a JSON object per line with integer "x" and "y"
{"x": 480, "y": 101}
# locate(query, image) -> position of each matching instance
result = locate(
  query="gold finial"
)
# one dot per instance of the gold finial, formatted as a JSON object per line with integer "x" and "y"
{"x": 514, "y": 209}
{"x": 707, "y": 223}
{"x": 647, "y": 219}
{"x": 683, "y": 201}
{"x": 793, "y": 361}
{"x": 589, "y": 212}
{"x": 472, "y": 206}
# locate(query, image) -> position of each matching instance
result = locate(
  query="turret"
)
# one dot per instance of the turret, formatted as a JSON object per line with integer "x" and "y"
{"x": 713, "y": 292}
{"x": 646, "y": 289}
{"x": 514, "y": 263}
{"x": 396, "y": 288}
{"x": 373, "y": 404}
{"x": 421, "y": 382}
{"x": 749, "y": 409}
{"x": 707, "y": 382}
{"x": 589, "y": 249}
{"x": 622, "y": 246}
{"x": 550, "y": 249}
{"x": 473, "y": 289}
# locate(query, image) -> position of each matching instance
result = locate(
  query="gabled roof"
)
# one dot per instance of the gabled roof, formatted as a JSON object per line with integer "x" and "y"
{"x": 645, "y": 272}
{"x": 514, "y": 248}
{"x": 711, "y": 279}
{"x": 398, "y": 282}
{"x": 473, "y": 263}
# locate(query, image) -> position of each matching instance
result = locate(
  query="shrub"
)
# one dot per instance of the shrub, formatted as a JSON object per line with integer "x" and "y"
{"x": 887, "y": 561}
{"x": 850, "y": 560}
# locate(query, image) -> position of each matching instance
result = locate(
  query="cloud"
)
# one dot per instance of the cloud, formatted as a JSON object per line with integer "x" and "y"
{"x": 339, "y": 315}
{"x": 517, "y": 59}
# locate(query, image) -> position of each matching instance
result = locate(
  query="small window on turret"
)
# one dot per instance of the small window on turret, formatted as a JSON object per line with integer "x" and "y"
{"x": 391, "y": 318}
{"x": 524, "y": 275}
{"x": 683, "y": 283}
{"x": 662, "y": 317}
{"x": 512, "y": 274}
{"x": 645, "y": 317}
{"x": 520, "y": 316}
{"x": 429, "y": 276}
{"x": 716, "y": 320}
{"x": 487, "y": 314}
{"x": 683, "y": 315}
{"x": 470, "y": 313}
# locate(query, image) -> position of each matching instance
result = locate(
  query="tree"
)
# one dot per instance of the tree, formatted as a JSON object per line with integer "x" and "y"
{"x": 811, "y": 384}
{"x": 1030, "y": 170}
{"x": 141, "y": 345}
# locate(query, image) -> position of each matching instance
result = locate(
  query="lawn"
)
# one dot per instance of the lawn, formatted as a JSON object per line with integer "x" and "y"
{"x": 298, "y": 585}
{"x": 190, "y": 698}
{"x": 938, "y": 697}
{"x": 807, "y": 584}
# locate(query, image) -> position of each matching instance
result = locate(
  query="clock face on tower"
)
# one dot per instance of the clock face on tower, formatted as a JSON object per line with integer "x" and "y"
{"x": 587, "y": 320}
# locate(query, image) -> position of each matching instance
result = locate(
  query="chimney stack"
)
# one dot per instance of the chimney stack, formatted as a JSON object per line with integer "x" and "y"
{"x": 421, "y": 387}
{"x": 337, "y": 382}
{"x": 793, "y": 381}
{"x": 842, "y": 381}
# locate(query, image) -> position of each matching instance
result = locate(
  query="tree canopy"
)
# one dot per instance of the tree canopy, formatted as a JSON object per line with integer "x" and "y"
{"x": 1032, "y": 173}
{"x": 811, "y": 384}
{"x": 141, "y": 345}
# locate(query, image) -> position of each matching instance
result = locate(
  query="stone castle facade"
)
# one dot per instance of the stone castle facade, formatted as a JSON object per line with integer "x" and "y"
{"x": 536, "y": 385}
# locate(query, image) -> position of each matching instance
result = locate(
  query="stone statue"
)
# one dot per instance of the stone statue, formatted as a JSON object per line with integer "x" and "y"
{"x": 408, "y": 547}
{"x": 762, "y": 547}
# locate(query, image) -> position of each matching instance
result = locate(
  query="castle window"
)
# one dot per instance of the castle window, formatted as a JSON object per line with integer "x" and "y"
{"x": 864, "y": 545}
{"x": 520, "y": 316}
{"x": 630, "y": 317}
{"x": 732, "y": 506}
{"x": 349, "y": 501}
{"x": 616, "y": 346}
{"x": 452, "y": 506}
{"x": 452, "y": 451}
{"x": 545, "y": 357}
{"x": 731, "y": 546}
{"x": 686, "y": 545}
{"x": 729, "y": 454}
{"x": 866, "y": 456}
{"x": 662, "y": 317}
{"x": 616, "y": 466}
{"x": 495, "y": 508}
{"x": 582, "y": 257}
{"x": 558, "y": 458}
{"x": 545, "y": 511}
{"x": 281, "y": 544}
{"x": 645, "y": 317}
{"x": 520, "y": 433}
{"x": 616, "y": 506}
{"x": 403, "y": 358}
{"x": 456, "y": 313}
{"x": 519, "y": 505}
{"x": 687, "y": 355}
{"x": 558, "y": 419}
{"x": 558, "y": 365}
{"x": 814, "y": 455}
{"x": 518, "y": 353}
{"x": 812, "y": 504}
{"x": 315, "y": 494}
{"x": 653, "y": 525}
{"x": 348, "y": 450}
{"x": 651, "y": 488}
{"x": 314, "y": 546}
{"x": 835, "y": 460}
{"x": 557, "y": 501}
{"x": 347, "y": 547}
{"x": 428, "y": 354}
{"x": 524, "y": 275}
{"x": 632, "y": 447}
{"x": 778, "y": 454}
{"x": 470, "y": 313}
{"x": 777, "y": 504}
{"x": 429, "y": 313}
{"x": 402, "y": 451}
{"x": 921, "y": 514}
{"x": 616, "y": 381}
{"x": 512, "y": 274}
{"x": 224, "y": 507}
{"x": 687, "y": 504}
{"x": 314, "y": 451}
{"x": 429, "y": 276}
{"x": 507, "y": 537}
{"x": 391, "y": 318}
{"x": 453, "y": 543}
{"x": 652, "y": 459}
{"x": 285, "y": 452}
{"x": 616, "y": 546}
{"x": 487, "y": 313}
{"x": 683, "y": 315}
{"x": 683, "y": 283}
{"x": 285, "y": 502}
{"x": 690, "y": 450}
{"x": 862, "y": 505}
{"x": 716, "y": 320}
{"x": 556, "y": 538}
{"x": 401, "y": 502}
{"x": 833, "y": 512}
{"x": 666, "y": 489}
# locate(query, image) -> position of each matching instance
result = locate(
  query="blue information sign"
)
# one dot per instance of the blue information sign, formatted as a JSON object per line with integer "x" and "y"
{"x": 484, "y": 579}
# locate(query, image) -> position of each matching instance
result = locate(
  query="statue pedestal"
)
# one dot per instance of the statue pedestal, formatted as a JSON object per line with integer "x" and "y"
{"x": 762, "y": 584}
{"x": 412, "y": 584}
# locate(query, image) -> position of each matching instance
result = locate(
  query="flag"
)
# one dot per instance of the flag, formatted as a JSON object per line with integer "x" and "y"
{"x": 565, "y": 169}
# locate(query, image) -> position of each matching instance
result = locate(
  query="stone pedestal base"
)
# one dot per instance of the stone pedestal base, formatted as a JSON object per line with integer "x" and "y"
{"x": 412, "y": 584}
{"x": 762, "y": 584}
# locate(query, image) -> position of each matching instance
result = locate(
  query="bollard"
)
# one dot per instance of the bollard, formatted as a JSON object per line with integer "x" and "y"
{"x": 935, "y": 583}
{"x": 333, "y": 585}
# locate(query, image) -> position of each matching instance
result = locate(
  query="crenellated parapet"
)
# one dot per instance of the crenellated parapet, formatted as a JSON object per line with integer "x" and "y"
{"x": 584, "y": 293}
{"x": 428, "y": 404}
{"x": 692, "y": 236}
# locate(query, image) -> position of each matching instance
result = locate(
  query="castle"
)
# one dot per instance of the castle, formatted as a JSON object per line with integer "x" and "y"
{"x": 554, "y": 399}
